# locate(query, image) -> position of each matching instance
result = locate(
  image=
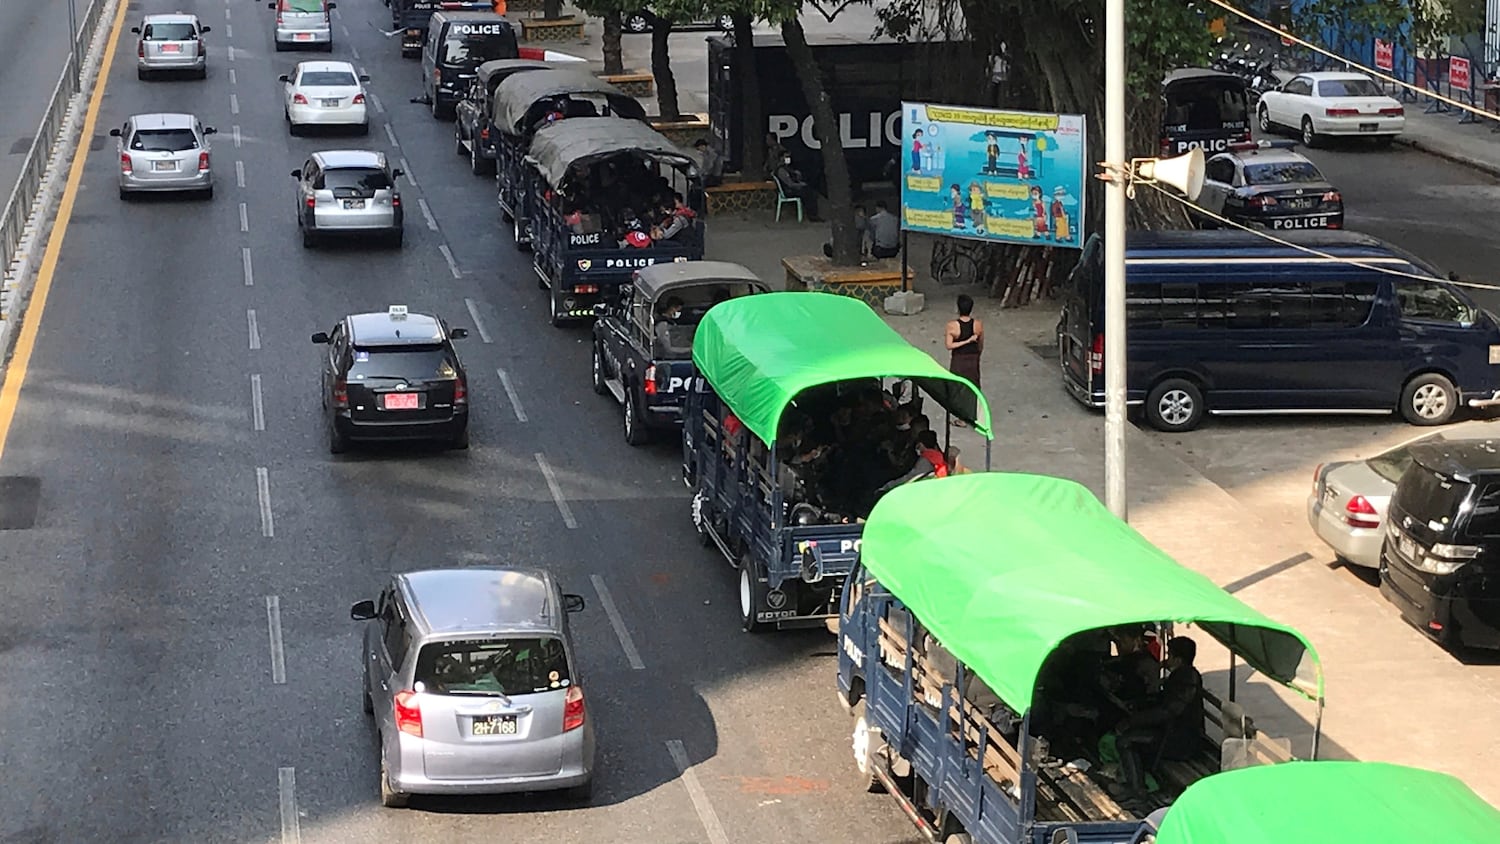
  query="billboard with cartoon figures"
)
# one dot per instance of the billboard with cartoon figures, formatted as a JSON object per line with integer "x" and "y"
{"x": 1004, "y": 176}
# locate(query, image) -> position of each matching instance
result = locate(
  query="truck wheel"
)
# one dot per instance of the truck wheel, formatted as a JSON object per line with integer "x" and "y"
{"x": 700, "y": 518}
{"x": 752, "y": 595}
{"x": 1175, "y": 405}
{"x": 869, "y": 750}
{"x": 636, "y": 432}
{"x": 1429, "y": 399}
{"x": 555, "y": 315}
{"x": 599, "y": 386}
{"x": 478, "y": 164}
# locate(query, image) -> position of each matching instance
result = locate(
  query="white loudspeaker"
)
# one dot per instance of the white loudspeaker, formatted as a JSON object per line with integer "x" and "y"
{"x": 1185, "y": 172}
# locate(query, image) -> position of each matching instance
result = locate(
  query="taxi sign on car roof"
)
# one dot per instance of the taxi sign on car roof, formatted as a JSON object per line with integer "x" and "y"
{"x": 398, "y": 312}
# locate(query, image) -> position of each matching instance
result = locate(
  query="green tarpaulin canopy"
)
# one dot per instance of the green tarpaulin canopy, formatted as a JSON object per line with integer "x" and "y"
{"x": 1330, "y": 803}
{"x": 760, "y": 352}
{"x": 1002, "y": 567}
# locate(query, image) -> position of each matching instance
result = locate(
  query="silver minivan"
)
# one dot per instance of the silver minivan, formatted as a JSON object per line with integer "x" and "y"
{"x": 303, "y": 23}
{"x": 472, "y": 684}
{"x": 170, "y": 43}
{"x": 349, "y": 192}
{"x": 164, "y": 152}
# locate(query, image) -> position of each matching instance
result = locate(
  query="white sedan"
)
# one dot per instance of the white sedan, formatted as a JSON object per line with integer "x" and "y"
{"x": 1332, "y": 103}
{"x": 325, "y": 94}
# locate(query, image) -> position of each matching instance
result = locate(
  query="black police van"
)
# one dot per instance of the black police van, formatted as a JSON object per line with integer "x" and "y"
{"x": 473, "y": 133}
{"x": 643, "y": 356}
{"x": 523, "y": 104}
{"x": 457, "y": 44}
{"x": 411, "y": 18}
{"x": 1204, "y": 109}
{"x": 579, "y": 180}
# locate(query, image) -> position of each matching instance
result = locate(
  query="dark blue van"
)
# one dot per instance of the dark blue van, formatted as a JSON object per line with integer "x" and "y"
{"x": 1232, "y": 323}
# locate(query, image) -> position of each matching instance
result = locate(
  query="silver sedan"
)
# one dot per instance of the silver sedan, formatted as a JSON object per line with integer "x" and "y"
{"x": 165, "y": 152}
{"x": 348, "y": 192}
{"x": 169, "y": 43}
{"x": 1348, "y": 501}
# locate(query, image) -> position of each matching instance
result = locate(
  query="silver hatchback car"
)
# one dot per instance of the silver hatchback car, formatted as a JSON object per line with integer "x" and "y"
{"x": 303, "y": 23}
{"x": 472, "y": 684}
{"x": 170, "y": 43}
{"x": 165, "y": 152}
{"x": 348, "y": 192}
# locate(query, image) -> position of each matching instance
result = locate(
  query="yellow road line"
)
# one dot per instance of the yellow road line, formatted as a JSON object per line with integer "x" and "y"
{"x": 31, "y": 320}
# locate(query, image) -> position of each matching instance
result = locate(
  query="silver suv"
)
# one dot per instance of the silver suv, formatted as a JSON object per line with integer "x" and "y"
{"x": 472, "y": 684}
{"x": 303, "y": 23}
{"x": 164, "y": 152}
{"x": 170, "y": 43}
{"x": 350, "y": 192}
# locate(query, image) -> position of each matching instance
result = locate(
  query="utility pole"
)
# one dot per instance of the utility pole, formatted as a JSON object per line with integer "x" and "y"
{"x": 1114, "y": 258}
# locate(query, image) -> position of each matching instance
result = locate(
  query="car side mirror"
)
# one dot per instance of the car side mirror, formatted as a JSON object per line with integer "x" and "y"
{"x": 362, "y": 611}
{"x": 284, "y": 77}
{"x": 205, "y": 29}
{"x": 320, "y": 338}
{"x": 364, "y": 77}
{"x": 209, "y": 130}
{"x": 296, "y": 174}
{"x": 136, "y": 30}
{"x": 397, "y": 173}
{"x": 573, "y": 603}
{"x": 115, "y": 133}
{"x": 271, "y": 5}
{"x": 333, "y": 6}
{"x": 458, "y": 333}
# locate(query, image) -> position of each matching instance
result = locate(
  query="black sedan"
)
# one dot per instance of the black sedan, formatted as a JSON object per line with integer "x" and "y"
{"x": 1266, "y": 184}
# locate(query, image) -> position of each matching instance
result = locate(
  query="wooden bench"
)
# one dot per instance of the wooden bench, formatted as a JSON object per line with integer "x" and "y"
{"x": 870, "y": 283}
{"x": 684, "y": 132}
{"x": 1260, "y": 750}
{"x": 635, "y": 84}
{"x": 741, "y": 197}
{"x": 541, "y": 30}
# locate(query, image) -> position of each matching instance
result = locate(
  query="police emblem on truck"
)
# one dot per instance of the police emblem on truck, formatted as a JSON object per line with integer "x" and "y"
{"x": 478, "y": 28}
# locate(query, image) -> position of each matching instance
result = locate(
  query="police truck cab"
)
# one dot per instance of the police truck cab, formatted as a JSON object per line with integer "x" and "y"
{"x": 457, "y": 44}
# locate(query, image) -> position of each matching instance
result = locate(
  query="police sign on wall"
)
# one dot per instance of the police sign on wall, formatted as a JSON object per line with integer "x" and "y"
{"x": 1003, "y": 176}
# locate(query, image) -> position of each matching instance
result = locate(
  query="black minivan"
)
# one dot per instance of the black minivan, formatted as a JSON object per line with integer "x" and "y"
{"x": 1440, "y": 563}
{"x": 1228, "y": 323}
{"x": 457, "y": 44}
{"x": 1203, "y": 109}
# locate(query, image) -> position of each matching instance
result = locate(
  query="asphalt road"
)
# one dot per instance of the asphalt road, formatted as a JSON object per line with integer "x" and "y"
{"x": 33, "y": 51}
{"x": 190, "y": 519}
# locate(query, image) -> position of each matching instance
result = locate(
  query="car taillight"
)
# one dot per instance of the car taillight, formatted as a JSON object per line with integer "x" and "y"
{"x": 1342, "y": 112}
{"x": 359, "y": 99}
{"x": 572, "y": 709}
{"x": 1262, "y": 201}
{"x": 125, "y": 165}
{"x": 311, "y": 202}
{"x": 298, "y": 99}
{"x": 1096, "y": 355}
{"x": 1398, "y": 111}
{"x": 586, "y": 288}
{"x": 340, "y": 393}
{"x": 278, "y": 17}
{"x": 1318, "y": 473}
{"x": 202, "y": 162}
{"x": 140, "y": 48}
{"x": 408, "y": 713}
{"x": 1166, "y": 148}
{"x": 1333, "y": 196}
{"x": 650, "y": 383}
{"x": 1359, "y": 513}
{"x": 396, "y": 200}
{"x": 460, "y": 392}
{"x": 484, "y": 134}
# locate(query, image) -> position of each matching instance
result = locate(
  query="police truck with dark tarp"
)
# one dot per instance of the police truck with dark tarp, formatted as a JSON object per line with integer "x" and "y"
{"x": 523, "y": 103}
{"x": 764, "y": 364}
{"x": 474, "y": 135}
{"x": 1203, "y": 109}
{"x": 643, "y": 358}
{"x": 412, "y": 17}
{"x": 582, "y": 256}
{"x": 457, "y": 44}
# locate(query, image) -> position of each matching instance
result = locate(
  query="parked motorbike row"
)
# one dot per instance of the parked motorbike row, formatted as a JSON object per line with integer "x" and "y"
{"x": 1251, "y": 64}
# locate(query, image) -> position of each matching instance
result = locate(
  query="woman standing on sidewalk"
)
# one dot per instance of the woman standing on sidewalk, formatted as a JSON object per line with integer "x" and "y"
{"x": 964, "y": 340}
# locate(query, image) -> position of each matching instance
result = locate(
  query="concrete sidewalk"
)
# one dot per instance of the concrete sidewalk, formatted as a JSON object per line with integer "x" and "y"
{"x": 1475, "y": 145}
{"x": 1392, "y": 695}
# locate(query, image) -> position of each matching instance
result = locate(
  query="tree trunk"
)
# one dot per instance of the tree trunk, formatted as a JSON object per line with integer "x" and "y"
{"x": 661, "y": 68}
{"x": 551, "y": 10}
{"x": 752, "y": 136}
{"x": 825, "y": 126}
{"x": 614, "y": 60}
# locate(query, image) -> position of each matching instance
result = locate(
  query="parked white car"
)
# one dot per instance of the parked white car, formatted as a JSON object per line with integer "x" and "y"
{"x": 325, "y": 94}
{"x": 1332, "y": 103}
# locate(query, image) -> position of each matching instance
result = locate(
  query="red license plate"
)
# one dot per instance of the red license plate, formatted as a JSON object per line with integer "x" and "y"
{"x": 304, "y": 36}
{"x": 171, "y": 48}
{"x": 401, "y": 401}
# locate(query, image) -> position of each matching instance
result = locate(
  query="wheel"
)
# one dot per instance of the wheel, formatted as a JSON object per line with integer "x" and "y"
{"x": 286, "y": 115}
{"x": 752, "y": 595}
{"x": 636, "y": 432}
{"x": 203, "y": 74}
{"x": 1429, "y": 399}
{"x": 363, "y": 129}
{"x": 516, "y": 229}
{"x": 478, "y": 164}
{"x": 141, "y": 74}
{"x": 207, "y": 193}
{"x": 1263, "y": 118}
{"x": 726, "y": 23}
{"x": 461, "y": 441}
{"x": 1175, "y": 405}
{"x": 280, "y": 47}
{"x": 124, "y": 195}
{"x": 293, "y": 129}
{"x": 328, "y": 48}
{"x": 458, "y": 140}
{"x": 309, "y": 240}
{"x": 389, "y": 797}
{"x": 396, "y": 240}
{"x": 637, "y": 23}
{"x": 583, "y": 794}
{"x": 1310, "y": 137}
{"x": 869, "y": 750}
{"x": 555, "y": 316}
{"x": 337, "y": 442}
{"x": 599, "y": 386}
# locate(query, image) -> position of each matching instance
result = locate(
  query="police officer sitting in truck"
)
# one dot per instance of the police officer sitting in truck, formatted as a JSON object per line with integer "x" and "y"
{"x": 668, "y": 331}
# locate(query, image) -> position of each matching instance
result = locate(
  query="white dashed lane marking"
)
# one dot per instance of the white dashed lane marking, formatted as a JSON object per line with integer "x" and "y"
{"x": 478, "y": 323}
{"x": 427, "y": 214}
{"x": 510, "y": 393}
{"x": 452, "y": 264}
{"x": 257, "y": 404}
{"x": 263, "y": 492}
{"x": 245, "y": 254}
{"x": 627, "y": 644}
{"x": 254, "y": 330}
{"x": 557, "y": 494}
{"x": 278, "y": 651}
{"x": 239, "y": 173}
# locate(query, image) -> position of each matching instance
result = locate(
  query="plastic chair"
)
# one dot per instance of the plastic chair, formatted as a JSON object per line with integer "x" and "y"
{"x": 783, "y": 199}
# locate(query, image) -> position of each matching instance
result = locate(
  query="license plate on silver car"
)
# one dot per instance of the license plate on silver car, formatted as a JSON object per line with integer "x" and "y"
{"x": 1369, "y": 127}
{"x": 495, "y": 725}
{"x": 331, "y": 103}
{"x": 164, "y": 165}
{"x": 354, "y": 203}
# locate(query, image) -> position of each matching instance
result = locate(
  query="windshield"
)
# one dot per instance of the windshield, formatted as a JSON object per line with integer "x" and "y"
{"x": 1394, "y": 463}
{"x": 164, "y": 140}
{"x": 1202, "y": 104}
{"x": 1431, "y": 498}
{"x": 519, "y": 666}
{"x": 169, "y": 32}
{"x": 1349, "y": 88}
{"x": 1281, "y": 173}
{"x": 305, "y": 6}
{"x": 329, "y": 78}
{"x": 361, "y": 178}
{"x": 403, "y": 364}
{"x": 471, "y": 50}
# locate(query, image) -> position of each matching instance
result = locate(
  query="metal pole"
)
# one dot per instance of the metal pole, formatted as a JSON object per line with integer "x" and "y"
{"x": 903, "y": 260}
{"x": 73, "y": 45}
{"x": 1114, "y": 258}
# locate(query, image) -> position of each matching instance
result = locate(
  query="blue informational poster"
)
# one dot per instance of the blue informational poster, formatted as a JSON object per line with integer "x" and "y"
{"x": 1003, "y": 176}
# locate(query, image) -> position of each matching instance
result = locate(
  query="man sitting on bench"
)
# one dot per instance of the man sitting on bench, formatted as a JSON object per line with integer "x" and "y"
{"x": 1170, "y": 724}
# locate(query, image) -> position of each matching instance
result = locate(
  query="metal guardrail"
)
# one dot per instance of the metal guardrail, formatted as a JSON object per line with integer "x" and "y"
{"x": 25, "y": 194}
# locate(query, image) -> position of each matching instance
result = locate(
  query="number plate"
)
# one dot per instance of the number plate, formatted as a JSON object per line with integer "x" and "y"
{"x": 164, "y": 165}
{"x": 401, "y": 401}
{"x": 304, "y": 36}
{"x": 171, "y": 48}
{"x": 1406, "y": 546}
{"x": 331, "y": 103}
{"x": 495, "y": 725}
{"x": 1369, "y": 127}
{"x": 354, "y": 203}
